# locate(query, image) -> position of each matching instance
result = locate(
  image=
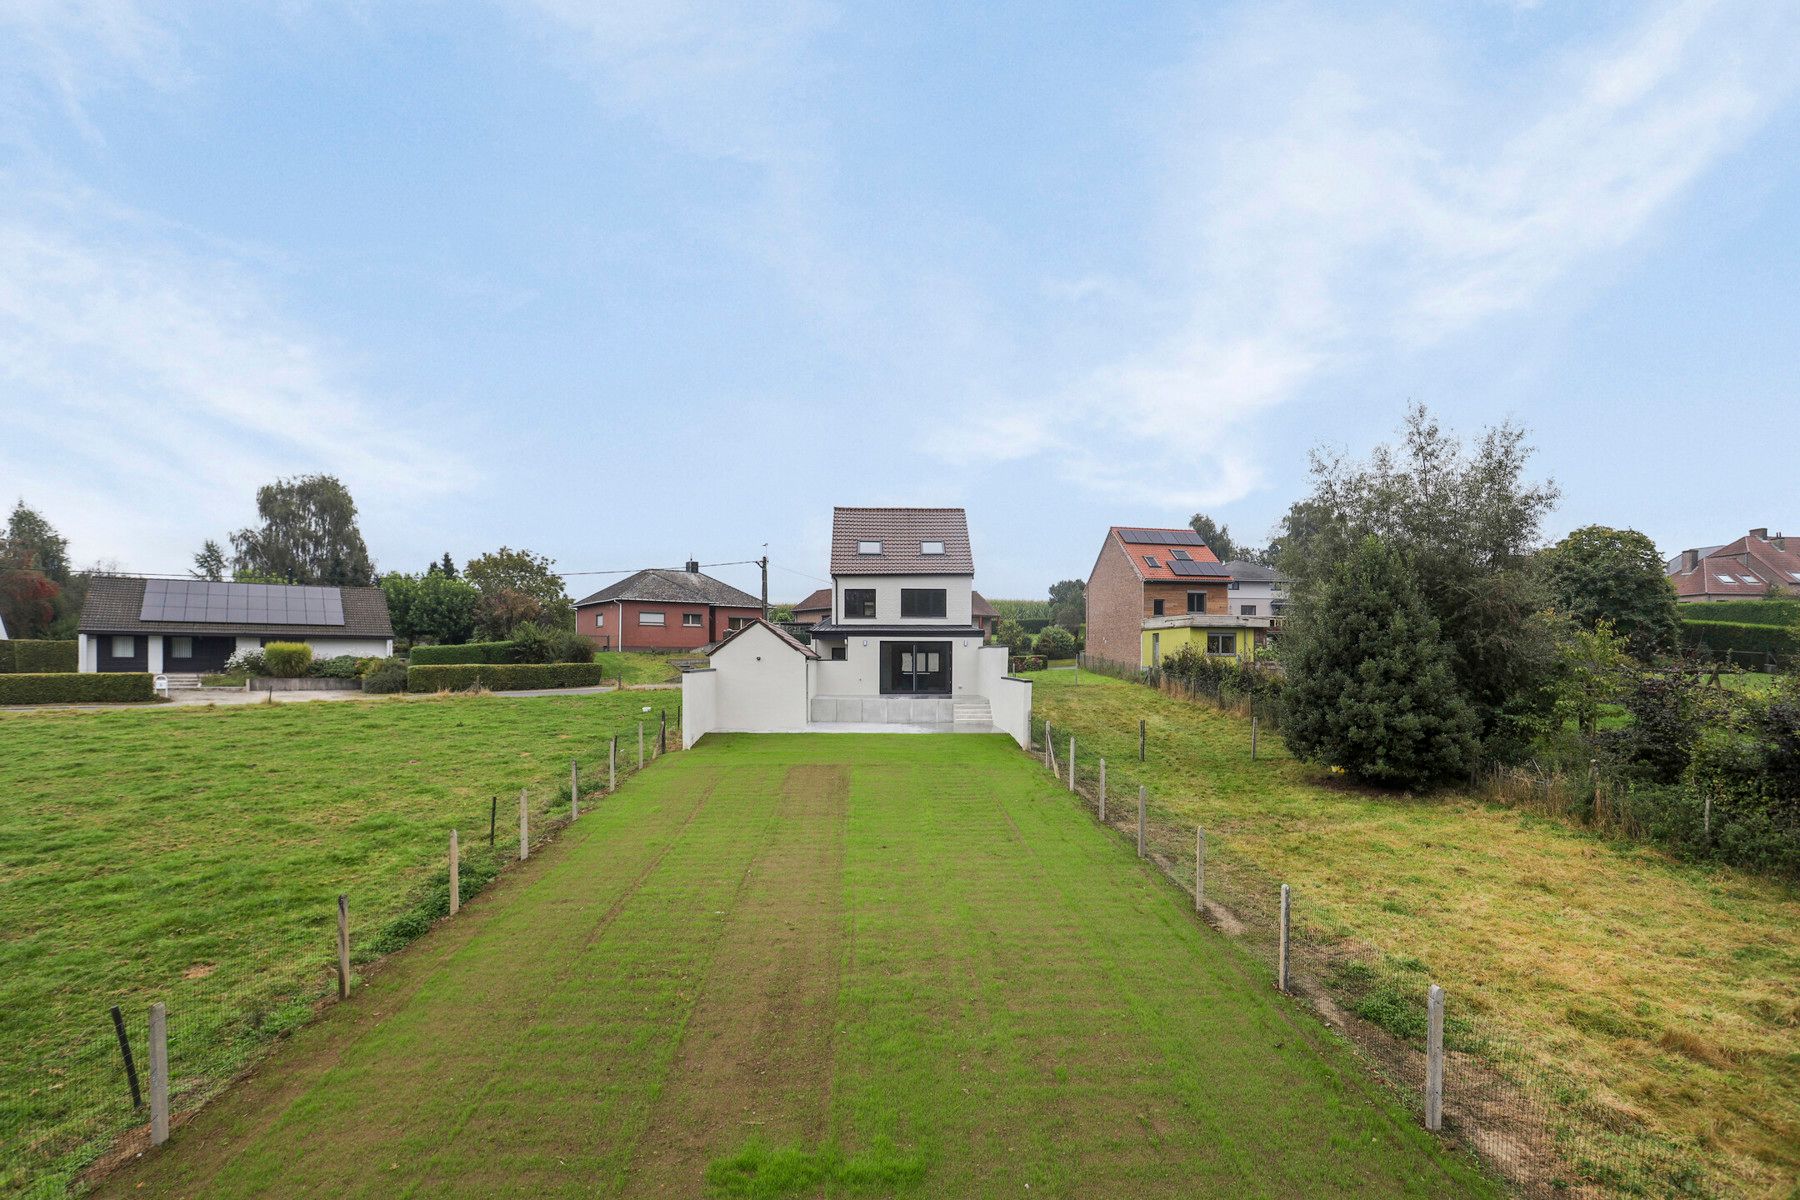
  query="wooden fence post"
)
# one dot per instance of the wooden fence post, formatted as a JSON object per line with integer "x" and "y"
{"x": 640, "y": 745}
{"x": 493, "y": 818}
{"x": 1071, "y": 762}
{"x": 1141, "y": 738}
{"x": 1103, "y": 791}
{"x": 1199, "y": 868}
{"x": 1281, "y": 963}
{"x": 455, "y": 876}
{"x": 1252, "y": 737}
{"x": 1143, "y": 793}
{"x": 1049, "y": 751}
{"x": 343, "y": 946}
{"x": 612, "y": 765}
{"x": 574, "y": 790}
{"x": 159, "y": 1073}
{"x": 1434, "y": 1059}
{"x": 524, "y": 826}
{"x": 662, "y": 736}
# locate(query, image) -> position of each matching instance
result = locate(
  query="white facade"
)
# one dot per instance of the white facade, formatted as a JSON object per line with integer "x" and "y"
{"x": 957, "y": 589}
{"x": 759, "y": 682}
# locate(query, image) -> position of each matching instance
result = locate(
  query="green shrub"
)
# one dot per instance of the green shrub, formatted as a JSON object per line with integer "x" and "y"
{"x": 65, "y": 687}
{"x": 246, "y": 662}
{"x": 36, "y": 657}
{"x": 384, "y": 675}
{"x": 1034, "y": 624}
{"x": 567, "y": 646}
{"x": 1027, "y": 662}
{"x": 1741, "y": 637}
{"x": 530, "y": 644}
{"x": 501, "y": 677}
{"x": 467, "y": 652}
{"x": 287, "y": 660}
{"x": 1056, "y": 642}
{"x": 343, "y": 666}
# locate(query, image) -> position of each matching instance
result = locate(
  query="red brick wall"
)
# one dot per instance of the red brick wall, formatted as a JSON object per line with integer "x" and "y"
{"x": 600, "y": 624}
{"x": 1115, "y": 607}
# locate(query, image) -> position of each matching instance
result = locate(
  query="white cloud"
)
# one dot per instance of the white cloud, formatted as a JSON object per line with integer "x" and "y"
{"x": 1341, "y": 190}
{"x": 147, "y": 392}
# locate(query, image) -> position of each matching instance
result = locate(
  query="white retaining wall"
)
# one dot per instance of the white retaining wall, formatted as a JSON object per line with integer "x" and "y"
{"x": 699, "y": 704}
{"x": 1009, "y": 699}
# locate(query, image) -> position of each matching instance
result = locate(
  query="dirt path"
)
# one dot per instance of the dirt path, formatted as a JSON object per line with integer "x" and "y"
{"x": 756, "y": 1058}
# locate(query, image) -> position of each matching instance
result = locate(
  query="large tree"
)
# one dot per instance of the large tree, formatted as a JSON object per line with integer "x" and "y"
{"x": 1614, "y": 576}
{"x": 1371, "y": 688}
{"x": 308, "y": 535}
{"x": 31, "y": 541}
{"x": 517, "y": 586}
{"x": 1465, "y": 522}
{"x": 432, "y": 607}
{"x": 1068, "y": 604}
{"x": 1216, "y": 536}
{"x": 210, "y": 563}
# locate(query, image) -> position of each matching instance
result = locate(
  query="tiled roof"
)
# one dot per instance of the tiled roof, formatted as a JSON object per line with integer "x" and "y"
{"x": 115, "y": 603}
{"x": 777, "y": 630}
{"x": 1249, "y": 572}
{"x": 819, "y": 601}
{"x": 901, "y": 532}
{"x": 1742, "y": 569}
{"x": 979, "y": 607}
{"x": 661, "y": 585}
{"x": 1150, "y": 551}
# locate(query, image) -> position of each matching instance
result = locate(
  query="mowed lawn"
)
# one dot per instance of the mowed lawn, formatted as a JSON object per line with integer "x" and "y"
{"x": 816, "y": 965}
{"x": 1663, "y": 999}
{"x": 194, "y": 855}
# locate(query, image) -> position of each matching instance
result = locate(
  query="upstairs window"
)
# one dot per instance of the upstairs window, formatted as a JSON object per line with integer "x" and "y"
{"x": 931, "y": 547}
{"x": 1196, "y": 602}
{"x": 1156, "y": 608}
{"x": 868, "y": 547}
{"x": 1150, "y": 561}
{"x": 1247, "y": 610}
{"x": 859, "y": 602}
{"x": 923, "y": 602}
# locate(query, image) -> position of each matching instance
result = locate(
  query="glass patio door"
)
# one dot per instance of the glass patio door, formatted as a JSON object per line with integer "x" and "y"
{"x": 915, "y": 668}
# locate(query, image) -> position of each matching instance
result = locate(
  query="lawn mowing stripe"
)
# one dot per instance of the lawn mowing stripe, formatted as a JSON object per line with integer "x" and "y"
{"x": 755, "y": 1059}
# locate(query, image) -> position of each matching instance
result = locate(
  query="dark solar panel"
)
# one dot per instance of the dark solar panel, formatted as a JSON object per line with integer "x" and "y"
{"x": 1162, "y": 537}
{"x": 240, "y": 603}
{"x": 1184, "y": 566}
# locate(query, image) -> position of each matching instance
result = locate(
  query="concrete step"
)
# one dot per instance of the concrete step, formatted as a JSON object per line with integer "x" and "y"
{"x": 181, "y": 679}
{"x": 972, "y": 712}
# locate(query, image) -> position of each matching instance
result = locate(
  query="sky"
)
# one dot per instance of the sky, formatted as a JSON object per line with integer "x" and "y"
{"x": 630, "y": 283}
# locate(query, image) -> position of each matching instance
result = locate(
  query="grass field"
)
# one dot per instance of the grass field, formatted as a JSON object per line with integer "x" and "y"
{"x": 1670, "y": 994}
{"x": 812, "y": 966}
{"x": 194, "y": 855}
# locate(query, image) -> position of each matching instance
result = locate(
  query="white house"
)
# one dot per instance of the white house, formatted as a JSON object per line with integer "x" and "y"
{"x": 192, "y": 627}
{"x": 900, "y": 646}
{"x": 1255, "y": 590}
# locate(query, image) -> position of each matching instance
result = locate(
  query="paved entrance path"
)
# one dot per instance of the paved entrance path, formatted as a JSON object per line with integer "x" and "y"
{"x": 809, "y": 966}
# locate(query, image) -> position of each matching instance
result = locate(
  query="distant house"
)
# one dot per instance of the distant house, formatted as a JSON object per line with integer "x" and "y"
{"x": 1748, "y": 569}
{"x": 1256, "y": 590}
{"x": 813, "y": 609}
{"x": 985, "y": 616}
{"x": 192, "y": 627}
{"x": 1153, "y": 590}
{"x": 665, "y": 609}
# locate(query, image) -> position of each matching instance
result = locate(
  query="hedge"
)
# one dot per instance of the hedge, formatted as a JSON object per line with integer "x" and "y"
{"x": 501, "y": 677}
{"x": 469, "y": 652}
{"x": 1744, "y": 612}
{"x": 64, "y": 687}
{"x": 1740, "y": 636}
{"x": 37, "y": 657}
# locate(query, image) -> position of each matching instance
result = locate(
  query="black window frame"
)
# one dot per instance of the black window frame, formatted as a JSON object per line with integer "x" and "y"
{"x": 859, "y": 604}
{"x": 1192, "y": 597}
{"x": 1230, "y": 634}
{"x": 910, "y": 603}
{"x": 1156, "y": 608}
{"x": 1246, "y": 610}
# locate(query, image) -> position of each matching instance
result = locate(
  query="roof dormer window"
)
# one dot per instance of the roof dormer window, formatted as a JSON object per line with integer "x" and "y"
{"x": 931, "y": 547}
{"x": 868, "y": 547}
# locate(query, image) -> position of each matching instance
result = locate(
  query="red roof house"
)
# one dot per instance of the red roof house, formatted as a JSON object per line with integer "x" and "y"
{"x": 1750, "y": 568}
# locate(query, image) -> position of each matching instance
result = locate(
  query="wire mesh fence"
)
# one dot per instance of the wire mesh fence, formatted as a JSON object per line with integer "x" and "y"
{"x": 1504, "y": 1095}
{"x": 80, "y": 1098}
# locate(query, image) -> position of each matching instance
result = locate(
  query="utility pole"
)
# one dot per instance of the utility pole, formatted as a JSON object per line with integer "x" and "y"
{"x": 763, "y": 562}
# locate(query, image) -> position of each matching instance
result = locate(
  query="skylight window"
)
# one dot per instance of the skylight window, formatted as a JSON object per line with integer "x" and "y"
{"x": 1150, "y": 561}
{"x": 931, "y": 547}
{"x": 868, "y": 547}
{"x": 1183, "y": 555}
{"x": 1724, "y": 579}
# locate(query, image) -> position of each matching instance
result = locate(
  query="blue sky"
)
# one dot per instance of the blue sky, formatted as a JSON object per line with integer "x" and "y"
{"x": 625, "y": 283}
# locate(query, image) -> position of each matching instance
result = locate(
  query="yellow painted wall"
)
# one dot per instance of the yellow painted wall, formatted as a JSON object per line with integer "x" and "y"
{"x": 1169, "y": 641}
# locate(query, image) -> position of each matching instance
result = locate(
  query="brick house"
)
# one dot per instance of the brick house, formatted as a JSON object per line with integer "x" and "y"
{"x": 1149, "y": 574}
{"x": 1754, "y": 566}
{"x": 665, "y": 609}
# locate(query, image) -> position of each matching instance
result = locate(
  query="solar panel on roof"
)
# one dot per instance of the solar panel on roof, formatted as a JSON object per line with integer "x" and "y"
{"x": 240, "y": 603}
{"x": 1187, "y": 566}
{"x": 1162, "y": 537}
